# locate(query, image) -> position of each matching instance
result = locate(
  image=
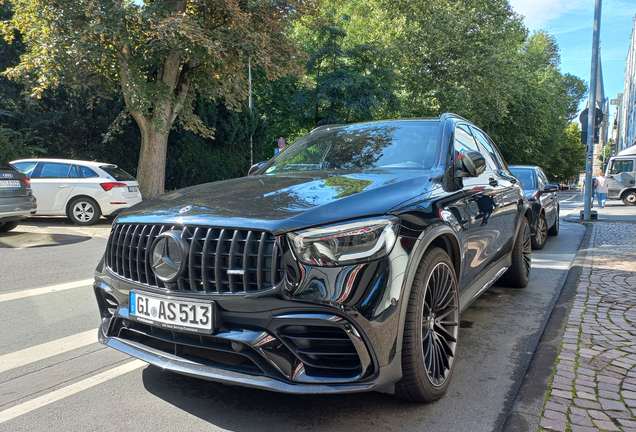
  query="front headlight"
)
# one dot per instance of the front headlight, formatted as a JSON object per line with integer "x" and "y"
{"x": 344, "y": 244}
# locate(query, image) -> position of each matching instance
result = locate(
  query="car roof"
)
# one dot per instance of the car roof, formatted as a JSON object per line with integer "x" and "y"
{"x": 68, "y": 161}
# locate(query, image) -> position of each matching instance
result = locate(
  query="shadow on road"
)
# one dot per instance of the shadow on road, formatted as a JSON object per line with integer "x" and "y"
{"x": 245, "y": 409}
{"x": 16, "y": 239}
{"x": 61, "y": 221}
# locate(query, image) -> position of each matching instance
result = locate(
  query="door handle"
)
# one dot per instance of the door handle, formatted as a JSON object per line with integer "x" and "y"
{"x": 64, "y": 186}
{"x": 492, "y": 182}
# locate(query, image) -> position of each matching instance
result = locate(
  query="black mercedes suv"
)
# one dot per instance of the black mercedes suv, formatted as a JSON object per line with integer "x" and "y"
{"x": 340, "y": 265}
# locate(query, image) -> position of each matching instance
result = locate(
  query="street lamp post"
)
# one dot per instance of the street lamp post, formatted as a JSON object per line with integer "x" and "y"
{"x": 249, "y": 67}
{"x": 591, "y": 113}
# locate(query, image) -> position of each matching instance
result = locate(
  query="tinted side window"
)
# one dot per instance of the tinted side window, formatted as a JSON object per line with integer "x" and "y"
{"x": 464, "y": 139}
{"x": 542, "y": 176}
{"x": 622, "y": 166}
{"x": 55, "y": 170}
{"x": 489, "y": 153}
{"x": 87, "y": 172}
{"x": 542, "y": 181}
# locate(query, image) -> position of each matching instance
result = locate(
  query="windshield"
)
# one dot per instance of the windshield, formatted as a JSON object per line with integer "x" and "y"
{"x": 526, "y": 178}
{"x": 397, "y": 144}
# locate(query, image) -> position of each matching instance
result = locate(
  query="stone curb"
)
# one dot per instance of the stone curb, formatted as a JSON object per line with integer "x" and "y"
{"x": 527, "y": 406}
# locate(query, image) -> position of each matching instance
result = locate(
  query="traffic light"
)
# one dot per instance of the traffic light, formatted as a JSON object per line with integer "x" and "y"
{"x": 598, "y": 119}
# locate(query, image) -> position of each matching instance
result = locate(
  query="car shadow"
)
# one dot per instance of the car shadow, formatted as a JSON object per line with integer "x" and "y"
{"x": 52, "y": 221}
{"x": 22, "y": 240}
{"x": 246, "y": 409}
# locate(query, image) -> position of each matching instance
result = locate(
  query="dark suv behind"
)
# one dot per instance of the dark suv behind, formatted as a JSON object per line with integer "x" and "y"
{"x": 16, "y": 197}
{"x": 341, "y": 265}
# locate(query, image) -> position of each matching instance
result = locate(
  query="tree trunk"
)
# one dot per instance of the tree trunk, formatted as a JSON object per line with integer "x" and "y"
{"x": 151, "y": 172}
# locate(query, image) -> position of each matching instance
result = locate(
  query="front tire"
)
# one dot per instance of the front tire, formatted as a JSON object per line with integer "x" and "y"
{"x": 541, "y": 236}
{"x": 84, "y": 211}
{"x": 630, "y": 198}
{"x": 518, "y": 275}
{"x": 8, "y": 226}
{"x": 431, "y": 329}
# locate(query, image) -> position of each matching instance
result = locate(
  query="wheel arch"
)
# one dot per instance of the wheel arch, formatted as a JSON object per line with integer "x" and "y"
{"x": 70, "y": 201}
{"x": 442, "y": 236}
{"x": 626, "y": 191}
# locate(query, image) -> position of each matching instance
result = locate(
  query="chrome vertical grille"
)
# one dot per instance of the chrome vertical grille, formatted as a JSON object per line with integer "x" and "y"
{"x": 219, "y": 260}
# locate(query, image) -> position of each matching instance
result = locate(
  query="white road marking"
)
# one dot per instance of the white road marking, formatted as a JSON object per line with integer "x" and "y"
{"x": 45, "y": 290}
{"x": 46, "y": 350}
{"x": 67, "y": 391}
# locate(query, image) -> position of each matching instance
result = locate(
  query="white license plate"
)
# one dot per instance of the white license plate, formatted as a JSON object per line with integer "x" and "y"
{"x": 9, "y": 183}
{"x": 133, "y": 189}
{"x": 171, "y": 313}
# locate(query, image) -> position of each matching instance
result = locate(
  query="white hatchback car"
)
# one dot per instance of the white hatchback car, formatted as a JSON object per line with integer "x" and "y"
{"x": 81, "y": 190}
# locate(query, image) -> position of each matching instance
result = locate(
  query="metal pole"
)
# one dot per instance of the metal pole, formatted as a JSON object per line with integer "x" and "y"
{"x": 249, "y": 66}
{"x": 592, "y": 112}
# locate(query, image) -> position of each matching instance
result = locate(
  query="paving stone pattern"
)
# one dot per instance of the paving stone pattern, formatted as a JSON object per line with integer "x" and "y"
{"x": 594, "y": 383}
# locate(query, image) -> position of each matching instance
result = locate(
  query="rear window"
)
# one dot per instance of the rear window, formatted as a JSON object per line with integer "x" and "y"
{"x": 5, "y": 165}
{"x": 26, "y": 167}
{"x": 118, "y": 174}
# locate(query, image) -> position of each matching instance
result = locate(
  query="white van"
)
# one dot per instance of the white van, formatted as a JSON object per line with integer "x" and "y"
{"x": 621, "y": 175}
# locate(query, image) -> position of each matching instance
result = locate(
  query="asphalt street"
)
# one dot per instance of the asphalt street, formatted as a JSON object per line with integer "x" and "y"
{"x": 54, "y": 374}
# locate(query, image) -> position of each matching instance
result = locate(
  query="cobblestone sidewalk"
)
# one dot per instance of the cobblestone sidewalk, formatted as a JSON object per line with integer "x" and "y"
{"x": 594, "y": 384}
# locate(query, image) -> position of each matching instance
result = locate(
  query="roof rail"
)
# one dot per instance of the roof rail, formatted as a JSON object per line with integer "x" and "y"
{"x": 325, "y": 127}
{"x": 451, "y": 115}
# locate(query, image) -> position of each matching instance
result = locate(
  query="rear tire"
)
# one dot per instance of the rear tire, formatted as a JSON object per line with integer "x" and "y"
{"x": 8, "y": 226}
{"x": 554, "y": 229}
{"x": 541, "y": 236}
{"x": 431, "y": 329}
{"x": 518, "y": 275}
{"x": 630, "y": 198}
{"x": 84, "y": 211}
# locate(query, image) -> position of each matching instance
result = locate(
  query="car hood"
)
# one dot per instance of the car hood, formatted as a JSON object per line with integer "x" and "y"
{"x": 283, "y": 202}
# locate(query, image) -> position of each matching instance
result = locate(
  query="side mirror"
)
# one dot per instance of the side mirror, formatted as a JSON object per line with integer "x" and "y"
{"x": 471, "y": 164}
{"x": 551, "y": 187}
{"x": 255, "y": 168}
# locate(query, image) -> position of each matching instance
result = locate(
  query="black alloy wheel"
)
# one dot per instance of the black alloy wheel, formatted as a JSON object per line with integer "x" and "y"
{"x": 540, "y": 237}
{"x": 431, "y": 330}
{"x": 518, "y": 275}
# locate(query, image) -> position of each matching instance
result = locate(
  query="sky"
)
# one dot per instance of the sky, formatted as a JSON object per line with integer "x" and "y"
{"x": 571, "y": 22}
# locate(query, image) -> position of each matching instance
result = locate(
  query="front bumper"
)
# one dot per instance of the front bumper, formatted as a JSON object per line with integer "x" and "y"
{"x": 335, "y": 331}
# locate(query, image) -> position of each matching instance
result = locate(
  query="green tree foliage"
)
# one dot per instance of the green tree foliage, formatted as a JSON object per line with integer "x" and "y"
{"x": 568, "y": 161}
{"x": 157, "y": 54}
{"x": 539, "y": 110}
{"x": 349, "y": 83}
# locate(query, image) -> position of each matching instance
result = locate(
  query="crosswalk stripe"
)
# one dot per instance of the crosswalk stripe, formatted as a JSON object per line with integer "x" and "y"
{"x": 46, "y": 350}
{"x": 45, "y": 290}
{"x": 67, "y": 391}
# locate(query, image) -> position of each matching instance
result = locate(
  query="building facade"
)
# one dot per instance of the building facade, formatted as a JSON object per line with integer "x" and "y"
{"x": 625, "y": 118}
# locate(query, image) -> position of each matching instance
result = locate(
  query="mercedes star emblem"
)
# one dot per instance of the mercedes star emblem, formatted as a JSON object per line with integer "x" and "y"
{"x": 168, "y": 255}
